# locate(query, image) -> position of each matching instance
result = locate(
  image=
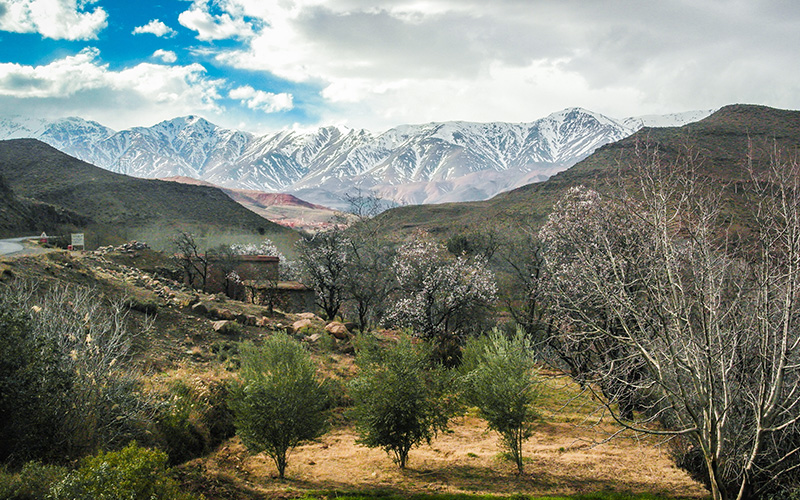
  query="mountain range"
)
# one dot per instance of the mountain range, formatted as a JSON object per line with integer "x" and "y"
{"x": 723, "y": 146}
{"x": 409, "y": 164}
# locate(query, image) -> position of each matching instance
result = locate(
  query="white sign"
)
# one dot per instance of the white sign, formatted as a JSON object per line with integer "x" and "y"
{"x": 77, "y": 239}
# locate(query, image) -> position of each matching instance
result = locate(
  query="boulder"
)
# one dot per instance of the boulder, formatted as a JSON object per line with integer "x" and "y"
{"x": 299, "y": 325}
{"x": 200, "y": 309}
{"x": 338, "y": 330}
{"x": 309, "y": 316}
{"x": 225, "y": 327}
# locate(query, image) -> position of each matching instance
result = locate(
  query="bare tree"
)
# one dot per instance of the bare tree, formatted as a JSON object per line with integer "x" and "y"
{"x": 323, "y": 263}
{"x": 676, "y": 309}
{"x": 193, "y": 260}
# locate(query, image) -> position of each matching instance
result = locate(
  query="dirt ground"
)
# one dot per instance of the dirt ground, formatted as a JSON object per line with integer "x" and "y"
{"x": 560, "y": 459}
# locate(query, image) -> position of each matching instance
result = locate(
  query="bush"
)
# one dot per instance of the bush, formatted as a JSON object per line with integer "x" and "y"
{"x": 399, "y": 397}
{"x": 63, "y": 389}
{"x": 33, "y": 482}
{"x": 279, "y": 401}
{"x": 132, "y": 472}
{"x": 498, "y": 379}
{"x": 195, "y": 420}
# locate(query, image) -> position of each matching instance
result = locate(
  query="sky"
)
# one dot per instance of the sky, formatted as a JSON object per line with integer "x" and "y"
{"x": 267, "y": 65}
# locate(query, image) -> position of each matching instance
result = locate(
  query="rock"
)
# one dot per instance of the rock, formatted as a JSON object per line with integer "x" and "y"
{"x": 262, "y": 322}
{"x": 224, "y": 327}
{"x": 309, "y": 316}
{"x": 299, "y": 325}
{"x": 250, "y": 320}
{"x": 338, "y": 330}
{"x": 200, "y": 308}
{"x": 36, "y": 309}
{"x": 226, "y": 314}
{"x": 314, "y": 337}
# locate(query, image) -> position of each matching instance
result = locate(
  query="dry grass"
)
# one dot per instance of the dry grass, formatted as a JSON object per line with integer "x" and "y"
{"x": 563, "y": 458}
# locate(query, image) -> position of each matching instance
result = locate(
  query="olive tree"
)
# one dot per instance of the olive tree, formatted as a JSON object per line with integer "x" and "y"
{"x": 700, "y": 323}
{"x": 279, "y": 401}
{"x": 399, "y": 397}
{"x": 498, "y": 378}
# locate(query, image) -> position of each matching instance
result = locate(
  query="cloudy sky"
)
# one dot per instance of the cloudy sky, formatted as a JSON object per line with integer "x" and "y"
{"x": 264, "y": 65}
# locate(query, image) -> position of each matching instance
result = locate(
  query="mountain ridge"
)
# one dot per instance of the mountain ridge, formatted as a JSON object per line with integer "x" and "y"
{"x": 427, "y": 163}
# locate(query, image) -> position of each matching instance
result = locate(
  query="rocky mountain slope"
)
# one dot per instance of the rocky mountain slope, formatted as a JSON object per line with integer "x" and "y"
{"x": 723, "y": 143}
{"x": 410, "y": 164}
{"x": 112, "y": 206}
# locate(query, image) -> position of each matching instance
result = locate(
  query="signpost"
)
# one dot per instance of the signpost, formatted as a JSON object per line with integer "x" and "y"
{"x": 77, "y": 241}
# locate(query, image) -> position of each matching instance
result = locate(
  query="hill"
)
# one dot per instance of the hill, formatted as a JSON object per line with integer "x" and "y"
{"x": 721, "y": 142}
{"x": 282, "y": 208}
{"x": 115, "y": 207}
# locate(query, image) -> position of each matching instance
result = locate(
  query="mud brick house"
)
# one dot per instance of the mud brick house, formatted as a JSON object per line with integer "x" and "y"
{"x": 255, "y": 279}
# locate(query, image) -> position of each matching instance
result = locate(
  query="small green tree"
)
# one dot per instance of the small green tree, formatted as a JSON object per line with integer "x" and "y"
{"x": 400, "y": 397}
{"x": 498, "y": 378}
{"x": 132, "y": 472}
{"x": 279, "y": 401}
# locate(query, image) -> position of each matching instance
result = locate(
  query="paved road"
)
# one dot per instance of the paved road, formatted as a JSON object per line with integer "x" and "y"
{"x": 12, "y": 246}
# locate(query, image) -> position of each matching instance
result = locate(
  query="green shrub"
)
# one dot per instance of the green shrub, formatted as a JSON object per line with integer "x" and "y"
{"x": 279, "y": 402}
{"x": 399, "y": 397}
{"x": 195, "y": 420}
{"x": 64, "y": 390}
{"x": 498, "y": 379}
{"x": 133, "y": 472}
{"x": 33, "y": 482}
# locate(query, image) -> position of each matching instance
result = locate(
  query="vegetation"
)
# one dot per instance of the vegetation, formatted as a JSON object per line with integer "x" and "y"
{"x": 279, "y": 402}
{"x": 682, "y": 322}
{"x": 132, "y": 472}
{"x": 498, "y": 379}
{"x": 440, "y": 297}
{"x": 64, "y": 390}
{"x": 400, "y": 397}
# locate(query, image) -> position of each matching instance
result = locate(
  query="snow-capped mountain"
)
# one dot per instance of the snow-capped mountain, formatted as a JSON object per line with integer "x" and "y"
{"x": 435, "y": 162}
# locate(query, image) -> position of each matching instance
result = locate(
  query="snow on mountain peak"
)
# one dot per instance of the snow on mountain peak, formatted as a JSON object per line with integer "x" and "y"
{"x": 438, "y": 161}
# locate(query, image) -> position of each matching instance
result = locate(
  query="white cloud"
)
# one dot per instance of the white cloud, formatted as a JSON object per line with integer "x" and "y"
{"x": 81, "y": 85}
{"x": 167, "y": 56}
{"x": 264, "y": 101}
{"x": 215, "y": 27}
{"x": 155, "y": 27}
{"x": 382, "y": 61}
{"x": 57, "y": 19}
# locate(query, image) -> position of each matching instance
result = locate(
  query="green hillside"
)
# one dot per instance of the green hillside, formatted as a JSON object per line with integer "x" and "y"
{"x": 721, "y": 143}
{"x": 117, "y": 207}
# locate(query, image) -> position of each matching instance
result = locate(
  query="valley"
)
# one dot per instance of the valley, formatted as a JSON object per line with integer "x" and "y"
{"x": 602, "y": 270}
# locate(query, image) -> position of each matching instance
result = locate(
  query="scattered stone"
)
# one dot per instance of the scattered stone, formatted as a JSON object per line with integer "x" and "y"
{"x": 224, "y": 327}
{"x": 338, "y": 330}
{"x": 309, "y": 316}
{"x": 299, "y": 325}
{"x": 314, "y": 337}
{"x": 200, "y": 308}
